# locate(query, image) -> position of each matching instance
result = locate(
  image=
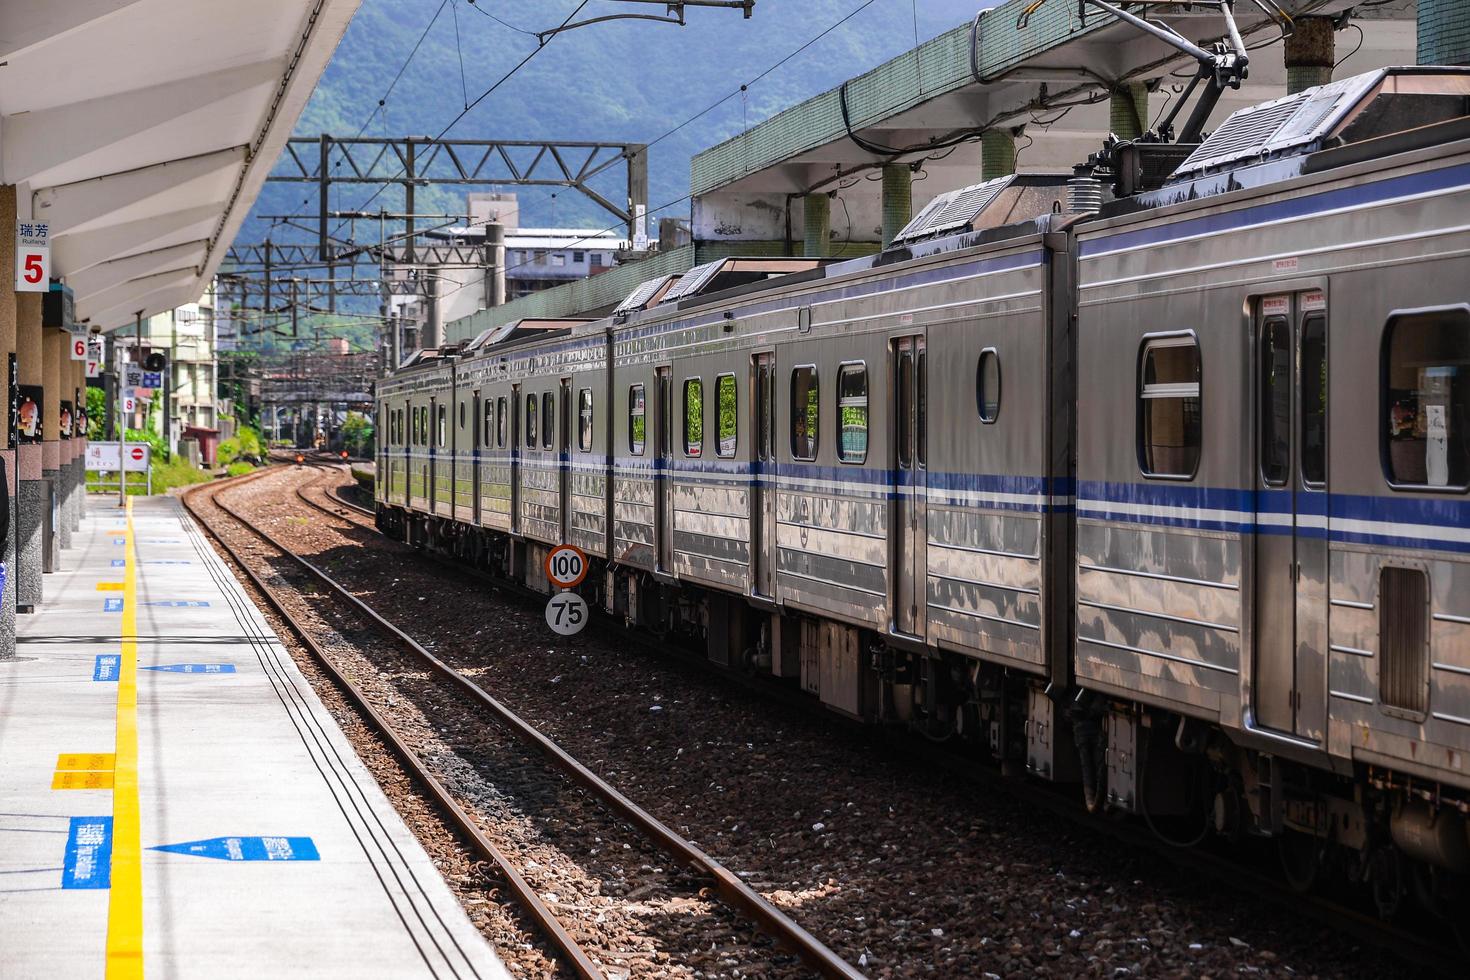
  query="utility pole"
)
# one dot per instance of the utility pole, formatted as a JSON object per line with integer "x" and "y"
{"x": 494, "y": 265}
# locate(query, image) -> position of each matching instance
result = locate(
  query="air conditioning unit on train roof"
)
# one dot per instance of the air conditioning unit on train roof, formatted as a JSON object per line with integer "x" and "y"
{"x": 1001, "y": 201}
{"x": 1351, "y": 110}
{"x": 728, "y": 273}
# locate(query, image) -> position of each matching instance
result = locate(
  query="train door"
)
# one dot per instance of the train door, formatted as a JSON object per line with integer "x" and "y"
{"x": 479, "y": 432}
{"x": 910, "y": 452}
{"x": 763, "y": 486}
{"x": 406, "y": 431}
{"x": 1290, "y": 642}
{"x": 431, "y": 477}
{"x": 564, "y": 457}
{"x": 516, "y": 411}
{"x": 663, "y": 474}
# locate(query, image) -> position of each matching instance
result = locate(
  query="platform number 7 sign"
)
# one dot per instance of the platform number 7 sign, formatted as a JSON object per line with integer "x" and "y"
{"x": 32, "y": 257}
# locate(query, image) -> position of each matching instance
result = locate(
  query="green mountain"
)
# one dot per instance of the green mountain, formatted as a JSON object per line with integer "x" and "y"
{"x": 622, "y": 81}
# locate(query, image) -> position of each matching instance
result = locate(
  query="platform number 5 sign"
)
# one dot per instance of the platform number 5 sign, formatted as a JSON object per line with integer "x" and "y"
{"x": 32, "y": 257}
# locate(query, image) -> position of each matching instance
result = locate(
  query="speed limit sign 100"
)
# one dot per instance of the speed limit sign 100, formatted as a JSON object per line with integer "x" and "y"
{"x": 566, "y": 566}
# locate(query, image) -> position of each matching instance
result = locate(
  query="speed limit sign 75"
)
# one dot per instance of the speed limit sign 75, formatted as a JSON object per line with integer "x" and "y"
{"x": 566, "y": 613}
{"x": 566, "y": 566}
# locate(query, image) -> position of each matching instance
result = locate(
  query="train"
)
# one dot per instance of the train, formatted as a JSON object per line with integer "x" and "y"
{"x": 1150, "y": 479}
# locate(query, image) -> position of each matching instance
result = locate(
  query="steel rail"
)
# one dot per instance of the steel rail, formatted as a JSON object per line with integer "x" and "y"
{"x": 525, "y": 893}
{"x": 740, "y": 896}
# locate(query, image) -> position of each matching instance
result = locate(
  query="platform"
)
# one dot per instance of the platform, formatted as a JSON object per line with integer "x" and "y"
{"x": 183, "y": 805}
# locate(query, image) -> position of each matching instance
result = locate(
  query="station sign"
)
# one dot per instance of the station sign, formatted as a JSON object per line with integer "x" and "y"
{"x": 132, "y": 376}
{"x": 152, "y": 380}
{"x": 102, "y": 457}
{"x": 80, "y": 344}
{"x": 94, "y": 357}
{"x": 32, "y": 257}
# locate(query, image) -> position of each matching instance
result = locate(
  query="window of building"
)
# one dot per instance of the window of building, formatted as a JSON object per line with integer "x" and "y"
{"x": 728, "y": 399}
{"x": 987, "y": 386}
{"x": 693, "y": 417}
{"x": 637, "y": 420}
{"x": 579, "y": 257}
{"x": 805, "y": 412}
{"x": 558, "y": 259}
{"x": 1426, "y": 394}
{"x": 501, "y": 422}
{"x": 548, "y": 419}
{"x": 530, "y": 421}
{"x": 1170, "y": 429}
{"x": 852, "y": 413}
{"x": 584, "y": 420}
{"x": 540, "y": 257}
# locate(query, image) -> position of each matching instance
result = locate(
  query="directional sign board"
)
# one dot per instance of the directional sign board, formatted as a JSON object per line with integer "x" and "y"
{"x": 566, "y": 613}
{"x": 566, "y": 566}
{"x": 102, "y": 457}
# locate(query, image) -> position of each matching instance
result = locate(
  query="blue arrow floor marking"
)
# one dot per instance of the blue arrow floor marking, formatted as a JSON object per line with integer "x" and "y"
{"x": 193, "y": 668}
{"x": 246, "y": 849}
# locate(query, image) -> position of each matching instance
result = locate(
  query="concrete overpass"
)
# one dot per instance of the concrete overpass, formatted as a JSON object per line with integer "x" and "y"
{"x": 139, "y": 132}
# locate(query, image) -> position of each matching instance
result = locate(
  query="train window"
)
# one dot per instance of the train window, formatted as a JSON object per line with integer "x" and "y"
{"x": 1314, "y": 401}
{"x": 921, "y": 418}
{"x": 693, "y": 417}
{"x": 487, "y": 434}
{"x": 852, "y": 413}
{"x": 1170, "y": 426}
{"x": 530, "y": 421}
{"x": 1426, "y": 399}
{"x": 501, "y": 422}
{"x": 1275, "y": 407}
{"x": 584, "y": 420}
{"x": 987, "y": 386}
{"x": 1403, "y": 639}
{"x": 443, "y": 426}
{"x": 461, "y": 415}
{"x": 637, "y": 420}
{"x": 727, "y": 398}
{"x": 905, "y": 429}
{"x": 805, "y": 412}
{"x": 548, "y": 419}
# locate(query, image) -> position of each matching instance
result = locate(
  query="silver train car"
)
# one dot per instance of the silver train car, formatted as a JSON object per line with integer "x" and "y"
{"x": 1166, "y": 499}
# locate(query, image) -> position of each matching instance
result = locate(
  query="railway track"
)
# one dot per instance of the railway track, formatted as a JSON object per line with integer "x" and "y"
{"x": 1414, "y": 945}
{"x": 738, "y": 897}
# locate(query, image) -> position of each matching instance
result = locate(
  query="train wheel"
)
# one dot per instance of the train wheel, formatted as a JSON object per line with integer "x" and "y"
{"x": 1301, "y": 860}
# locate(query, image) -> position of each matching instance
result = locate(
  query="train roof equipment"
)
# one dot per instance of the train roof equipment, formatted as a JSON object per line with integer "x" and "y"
{"x": 1377, "y": 103}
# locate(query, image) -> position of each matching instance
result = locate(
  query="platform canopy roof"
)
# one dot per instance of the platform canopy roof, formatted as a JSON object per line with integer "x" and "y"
{"x": 142, "y": 130}
{"x": 1019, "y": 64}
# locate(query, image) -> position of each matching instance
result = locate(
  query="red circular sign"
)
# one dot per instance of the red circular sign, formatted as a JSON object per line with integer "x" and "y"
{"x": 136, "y": 453}
{"x": 566, "y": 566}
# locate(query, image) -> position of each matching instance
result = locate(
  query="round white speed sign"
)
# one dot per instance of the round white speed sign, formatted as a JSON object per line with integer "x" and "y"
{"x": 566, "y": 613}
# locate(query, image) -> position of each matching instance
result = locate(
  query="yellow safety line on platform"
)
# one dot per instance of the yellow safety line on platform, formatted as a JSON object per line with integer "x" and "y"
{"x": 125, "y": 900}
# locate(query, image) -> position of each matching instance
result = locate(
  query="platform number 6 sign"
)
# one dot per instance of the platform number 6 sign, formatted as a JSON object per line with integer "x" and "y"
{"x": 32, "y": 257}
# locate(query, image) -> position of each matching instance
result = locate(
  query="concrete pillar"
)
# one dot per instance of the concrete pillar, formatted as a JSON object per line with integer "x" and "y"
{"x": 997, "y": 154}
{"x": 1310, "y": 52}
{"x": 898, "y": 199}
{"x": 1444, "y": 32}
{"x": 817, "y": 216}
{"x": 7, "y": 453}
{"x": 433, "y": 337}
{"x": 53, "y": 349}
{"x": 1128, "y": 110}
{"x": 30, "y": 490}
